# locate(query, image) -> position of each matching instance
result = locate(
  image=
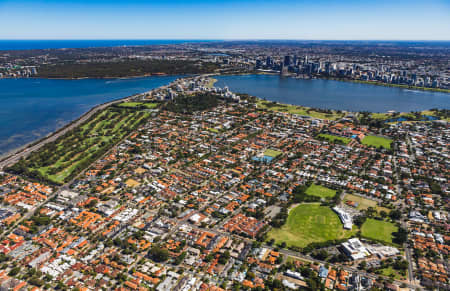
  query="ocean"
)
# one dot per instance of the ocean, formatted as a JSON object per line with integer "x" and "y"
{"x": 55, "y": 44}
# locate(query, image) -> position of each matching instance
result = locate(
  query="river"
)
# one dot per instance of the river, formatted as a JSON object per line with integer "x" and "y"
{"x": 32, "y": 108}
{"x": 330, "y": 94}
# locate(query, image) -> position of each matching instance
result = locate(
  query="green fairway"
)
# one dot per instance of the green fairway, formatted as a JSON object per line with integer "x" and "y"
{"x": 272, "y": 153}
{"x": 308, "y": 223}
{"x": 377, "y": 141}
{"x": 148, "y": 105}
{"x": 300, "y": 110}
{"x": 333, "y": 138}
{"x": 378, "y": 230}
{"x": 320, "y": 191}
{"x": 61, "y": 160}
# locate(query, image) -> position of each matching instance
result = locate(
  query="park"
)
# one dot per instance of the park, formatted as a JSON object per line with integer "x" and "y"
{"x": 310, "y": 223}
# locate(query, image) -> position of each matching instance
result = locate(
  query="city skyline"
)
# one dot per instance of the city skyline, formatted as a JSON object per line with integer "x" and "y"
{"x": 225, "y": 20}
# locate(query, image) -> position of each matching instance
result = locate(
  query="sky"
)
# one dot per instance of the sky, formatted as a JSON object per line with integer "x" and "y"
{"x": 233, "y": 19}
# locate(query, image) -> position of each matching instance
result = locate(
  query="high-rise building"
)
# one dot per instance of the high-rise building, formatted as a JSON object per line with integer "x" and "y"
{"x": 287, "y": 61}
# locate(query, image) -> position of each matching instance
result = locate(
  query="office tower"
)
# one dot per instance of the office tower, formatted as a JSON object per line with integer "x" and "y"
{"x": 287, "y": 61}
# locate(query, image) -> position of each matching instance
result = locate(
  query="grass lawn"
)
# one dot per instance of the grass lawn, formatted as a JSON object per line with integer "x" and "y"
{"x": 390, "y": 272}
{"x": 320, "y": 191}
{"x": 300, "y": 110}
{"x": 363, "y": 203}
{"x": 309, "y": 223}
{"x": 377, "y": 141}
{"x": 381, "y": 115}
{"x": 147, "y": 105}
{"x": 215, "y": 130}
{"x": 378, "y": 230}
{"x": 272, "y": 153}
{"x": 292, "y": 259}
{"x": 332, "y": 138}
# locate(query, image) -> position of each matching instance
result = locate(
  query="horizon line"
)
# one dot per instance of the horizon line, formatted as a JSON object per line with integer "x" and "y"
{"x": 219, "y": 39}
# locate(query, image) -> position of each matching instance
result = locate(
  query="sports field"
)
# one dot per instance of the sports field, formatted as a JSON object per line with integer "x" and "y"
{"x": 215, "y": 130}
{"x": 333, "y": 138}
{"x": 272, "y": 153}
{"x": 378, "y": 230}
{"x": 309, "y": 223}
{"x": 377, "y": 141}
{"x": 320, "y": 191}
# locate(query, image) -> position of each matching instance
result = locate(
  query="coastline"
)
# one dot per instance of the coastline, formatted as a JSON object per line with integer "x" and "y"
{"x": 14, "y": 152}
{"x": 104, "y": 77}
{"x": 400, "y": 86}
{"x": 20, "y": 149}
{"x": 375, "y": 83}
{"x": 23, "y": 148}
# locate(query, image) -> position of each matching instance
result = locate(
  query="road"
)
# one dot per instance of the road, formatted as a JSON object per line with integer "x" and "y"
{"x": 294, "y": 254}
{"x": 26, "y": 151}
{"x": 409, "y": 259}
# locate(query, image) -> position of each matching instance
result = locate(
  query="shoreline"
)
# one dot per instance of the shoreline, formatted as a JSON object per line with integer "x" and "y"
{"x": 105, "y": 77}
{"x": 399, "y": 86}
{"x": 13, "y": 152}
{"x": 375, "y": 83}
{"x": 23, "y": 148}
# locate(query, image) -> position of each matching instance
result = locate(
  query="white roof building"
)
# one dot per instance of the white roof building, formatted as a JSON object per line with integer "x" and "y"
{"x": 344, "y": 216}
{"x": 355, "y": 249}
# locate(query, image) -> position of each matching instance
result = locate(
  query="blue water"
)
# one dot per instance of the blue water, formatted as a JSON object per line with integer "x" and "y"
{"x": 54, "y": 44}
{"x": 329, "y": 94}
{"x": 265, "y": 159}
{"x": 32, "y": 108}
{"x": 401, "y": 119}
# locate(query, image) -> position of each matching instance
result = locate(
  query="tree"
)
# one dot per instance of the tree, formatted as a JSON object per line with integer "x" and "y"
{"x": 158, "y": 254}
{"x": 180, "y": 258}
{"x": 14, "y": 271}
{"x": 401, "y": 236}
{"x": 395, "y": 214}
{"x": 359, "y": 220}
{"x": 223, "y": 259}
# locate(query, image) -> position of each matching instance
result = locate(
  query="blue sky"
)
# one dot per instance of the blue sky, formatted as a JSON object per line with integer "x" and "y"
{"x": 213, "y": 19}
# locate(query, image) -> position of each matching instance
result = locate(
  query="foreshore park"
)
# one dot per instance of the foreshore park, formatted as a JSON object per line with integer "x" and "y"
{"x": 194, "y": 187}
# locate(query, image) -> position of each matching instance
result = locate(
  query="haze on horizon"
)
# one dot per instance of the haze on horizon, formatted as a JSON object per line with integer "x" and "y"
{"x": 234, "y": 19}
